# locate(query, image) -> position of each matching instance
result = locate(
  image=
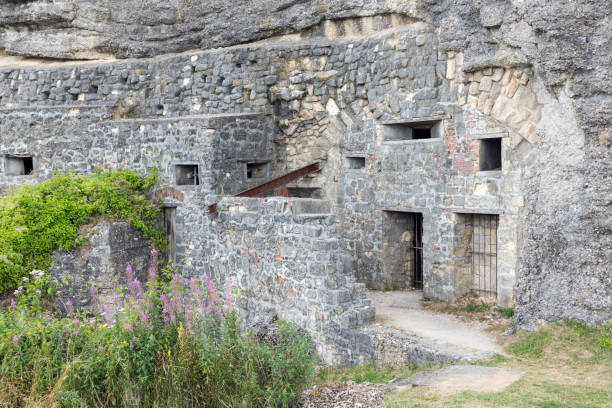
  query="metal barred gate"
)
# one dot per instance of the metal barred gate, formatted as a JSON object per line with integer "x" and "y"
{"x": 484, "y": 254}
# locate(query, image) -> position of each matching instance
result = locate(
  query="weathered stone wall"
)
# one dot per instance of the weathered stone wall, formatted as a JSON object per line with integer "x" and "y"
{"x": 284, "y": 255}
{"x": 85, "y": 138}
{"x": 485, "y": 70}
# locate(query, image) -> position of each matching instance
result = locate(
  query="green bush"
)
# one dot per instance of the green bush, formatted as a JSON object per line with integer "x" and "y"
{"x": 36, "y": 219}
{"x": 155, "y": 348}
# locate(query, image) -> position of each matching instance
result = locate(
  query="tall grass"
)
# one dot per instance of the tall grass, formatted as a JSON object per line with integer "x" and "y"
{"x": 174, "y": 344}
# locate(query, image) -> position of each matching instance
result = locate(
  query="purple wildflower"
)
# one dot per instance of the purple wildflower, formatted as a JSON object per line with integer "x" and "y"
{"x": 197, "y": 293}
{"x": 15, "y": 339}
{"x": 152, "y": 272}
{"x": 177, "y": 298}
{"x": 144, "y": 318}
{"x": 129, "y": 273}
{"x": 107, "y": 316}
{"x": 213, "y": 297}
{"x": 75, "y": 332}
{"x": 136, "y": 288}
{"x": 69, "y": 307}
{"x": 188, "y": 319}
{"x": 93, "y": 292}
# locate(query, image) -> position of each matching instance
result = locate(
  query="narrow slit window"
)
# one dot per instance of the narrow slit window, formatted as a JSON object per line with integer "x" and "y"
{"x": 490, "y": 154}
{"x": 256, "y": 170}
{"x": 355, "y": 162}
{"x": 187, "y": 175}
{"x": 18, "y": 165}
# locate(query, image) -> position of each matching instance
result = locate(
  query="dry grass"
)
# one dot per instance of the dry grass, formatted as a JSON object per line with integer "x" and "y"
{"x": 474, "y": 309}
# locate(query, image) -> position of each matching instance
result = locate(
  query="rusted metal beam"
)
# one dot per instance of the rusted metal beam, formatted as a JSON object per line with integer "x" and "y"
{"x": 274, "y": 183}
{"x": 279, "y": 181}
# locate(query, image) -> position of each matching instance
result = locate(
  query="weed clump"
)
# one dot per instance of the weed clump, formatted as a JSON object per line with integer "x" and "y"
{"x": 169, "y": 342}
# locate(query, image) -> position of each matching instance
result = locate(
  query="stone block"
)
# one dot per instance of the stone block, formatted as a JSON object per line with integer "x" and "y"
{"x": 486, "y": 83}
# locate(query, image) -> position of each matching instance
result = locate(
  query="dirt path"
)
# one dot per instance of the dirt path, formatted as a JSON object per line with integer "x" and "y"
{"x": 402, "y": 311}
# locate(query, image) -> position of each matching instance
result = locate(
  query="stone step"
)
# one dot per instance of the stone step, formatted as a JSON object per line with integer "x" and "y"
{"x": 400, "y": 348}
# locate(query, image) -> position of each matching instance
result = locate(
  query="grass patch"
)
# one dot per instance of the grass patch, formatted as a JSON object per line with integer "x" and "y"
{"x": 531, "y": 345}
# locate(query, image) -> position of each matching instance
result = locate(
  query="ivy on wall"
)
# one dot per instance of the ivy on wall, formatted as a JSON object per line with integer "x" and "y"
{"x": 37, "y": 219}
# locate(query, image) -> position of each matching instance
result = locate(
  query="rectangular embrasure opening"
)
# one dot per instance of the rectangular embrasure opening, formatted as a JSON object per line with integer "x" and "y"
{"x": 187, "y": 175}
{"x": 18, "y": 165}
{"x": 431, "y": 129}
{"x": 257, "y": 170}
{"x": 490, "y": 154}
{"x": 354, "y": 162}
{"x": 304, "y": 192}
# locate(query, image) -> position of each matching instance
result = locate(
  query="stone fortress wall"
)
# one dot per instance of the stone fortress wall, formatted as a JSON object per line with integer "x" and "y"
{"x": 333, "y": 93}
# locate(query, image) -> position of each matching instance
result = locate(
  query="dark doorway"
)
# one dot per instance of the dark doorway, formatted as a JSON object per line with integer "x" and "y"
{"x": 402, "y": 253}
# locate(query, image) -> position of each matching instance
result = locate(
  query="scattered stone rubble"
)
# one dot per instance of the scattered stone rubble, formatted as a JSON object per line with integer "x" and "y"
{"x": 343, "y": 395}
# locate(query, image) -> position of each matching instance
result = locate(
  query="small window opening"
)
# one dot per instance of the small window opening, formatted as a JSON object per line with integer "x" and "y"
{"x": 421, "y": 133}
{"x": 355, "y": 162}
{"x": 304, "y": 192}
{"x": 187, "y": 175}
{"x": 256, "y": 170}
{"x": 18, "y": 165}
{"x": 412, "y": 131}
{"x": 490, "y": 154}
